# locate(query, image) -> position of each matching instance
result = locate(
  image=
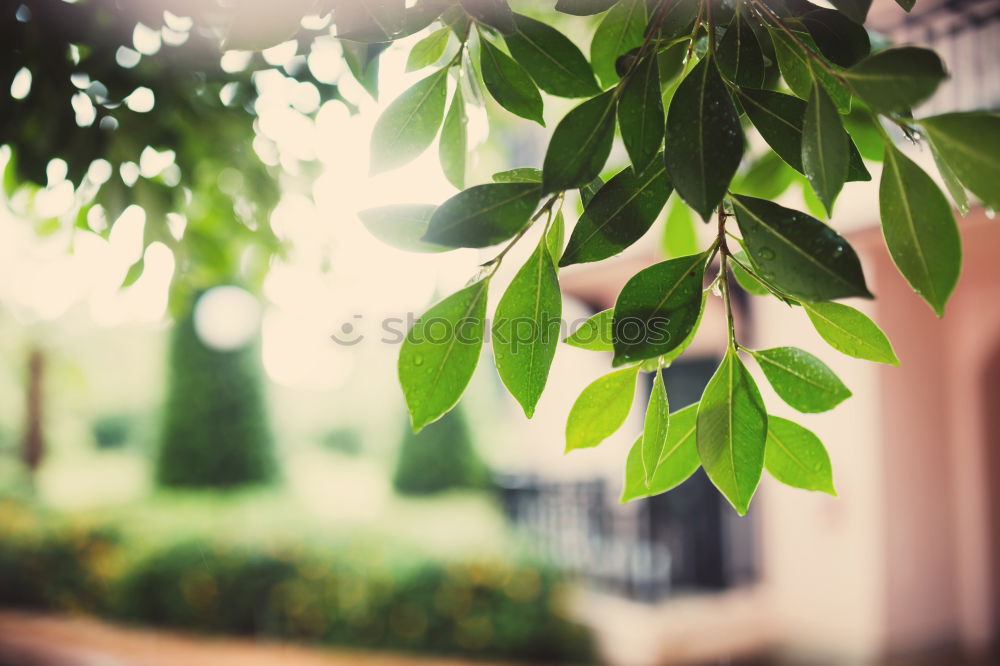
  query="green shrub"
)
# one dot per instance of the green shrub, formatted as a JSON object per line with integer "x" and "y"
{"x": 440, "y": 457}
{"x": 215, "y": 432}
{"x": 112, "y": 431}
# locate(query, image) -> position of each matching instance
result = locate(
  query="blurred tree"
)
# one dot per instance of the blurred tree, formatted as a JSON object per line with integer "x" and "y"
{"x": 438, "y": 458}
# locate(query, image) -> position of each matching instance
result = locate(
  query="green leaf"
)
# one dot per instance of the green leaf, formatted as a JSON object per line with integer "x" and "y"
{"x": 851, "y": 332}
{"x": 440, "y": 353}
{"x": 595, "y": 333}
{"x": 841, "y": 40}
{"x": 640, "y": 114}
{"x": 410, "y": 123}
{"x": 749, "y": 283}
{"x": 678, "y": 462}
{"x": 658, "y": 308}
{"x": 704, "y": 139}
{"x": 618, "y": 215}
{"x": 601, "y": 409}
{"x": 580, "y": 144}
{"x": 907, "y": 5}
{"x": 428, "y": 50}
{"x": 620, "y": 31}
{"x": 798, "y": 70}
{"x": 494, "y": 13}
{"x": 483, "y": 215}
{"x": 655, "y": 427}
{"x": 825, "y": 152}
{"x": 732, "y": 429}
{"x": 519, "y": 175}
{"x": 801, "y": 379}
{"x": 402, "y": 226}
{"x": 766, "y": 177}
{"x": 796, "y": 457}
{"x": 955, "y": 188}
{"x": 740, "y": 58}
{"x": 134, "y": 272}
{"x": 510, "y": 84}
{"x": 369, "y": 20}
{"x": 526, "y": 329}
{"x": 856, "y": 10}
{"x": 453, "y": 144}
{"x": 919, "y": 229}
{"x": 363, "y": 60}
{"x": 780, "y": 118}
{"x": 897, "y": 79}
{"x": 555, "y": 238}
{"x": 588, "y": 191}
{"x": 797, "y": 253}
{"x": 583, "y": 7}
{"x": 970, "y": 145}
{"x": 554, "y": 62}
{"x": 679, "y": 236}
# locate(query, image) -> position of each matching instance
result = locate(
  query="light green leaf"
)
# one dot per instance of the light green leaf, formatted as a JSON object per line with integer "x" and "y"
{"x": 825, "y": 152}
{"x": 970, "y": 145}
{"x": 408, "y": 126}
{"x": 919, "y": 229}
{"x": 526, "y": 329}
{"x": 369, "y": 20}
{"x": 704, "y": 139}
{"x": 732, "y": 429}
{"x": 655, "y": 427}
{"x": 620, "y": 31}
{"x": 510, "y": 84}
{"x": 583, "y": 7}
{"x": 453, "y": 144}
{"x": 595, "y": 333}
{"x": 640, "y": 114}
{"x": 428, "y": 50}
{"x": 620, "y": 213}
{"x": 483, "y": 215}
{"x": 678, "y": 462}
{"x": 555, "y": 238}
{"x": 750, "y": 284}
{"x": 554, "y": 62}
{"x": 798, "y": 70}
{"x": 601, "y": 409}
{"x": 363, "y": 61}
{"x": 955, "y": 188}
{"x": 580, "y": 144}
{"x": 402, "y": 226}
{"x": 797, "y": 253}
{"x": 796, "y": 457}
{"x": 440, "y": 354}
{"x": 801, "y": 379}
{"x": 519, "y": 175}
{"x": 679, "y": 235}
{"x": 851, "y": 332}
{"x": 658, "y": 308}
{"x": 897, "y": 79}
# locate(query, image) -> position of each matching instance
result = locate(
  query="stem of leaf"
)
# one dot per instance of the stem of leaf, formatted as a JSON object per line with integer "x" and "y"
{"x": 547, "y": 208}
{"x": 724, "y": 274}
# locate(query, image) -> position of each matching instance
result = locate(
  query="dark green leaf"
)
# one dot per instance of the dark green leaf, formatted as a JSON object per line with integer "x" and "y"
{"x": 494, "y": 13}
{"x": 801, "y": 379}
{"x": 655, "y": 427}
{"x": 970, "y": 145}
{"x": 704, "y": 139}
{"x": 640, "y": 114}
{"x": 402, "y": 226}
{"x": 601, "y": 409}
{"x": 732, "y": 429}
{"x": 580, "y": 144}
{"x": 856, "y": 10}
{"x": 799, "y": 71}
{"x": 428, "y": 50}
{"x": 620, "y": 31}
{"x": 825, "y": 147}
{"x": 588, "y": 191}
{"x": 897, "y": 79}
{"x": 362, "y": 60}
{"x": 955, "y": 188}
{"x": 618, "y": 215}
{"x": 906, "y": 4}
{"x": 796, "y": 457}
{"x": 739, "y": 54}
{"x": 679, "y": 236}
{"x": 658, "y": 308}
{"x": 595, "y": 333}
{"x": 526, "y": 329}
{"x": 410, "y": 123}
{"x": 677, "y": 19}
{"x": 919, "y": 229}
{"x": 483, "y": 215}
{"x": 779, "y": 119}
{"x": 843, "y": 41}
{"x": 583, "y": 7}
{"x": 851, "y": 332}
{"x": 453, "y": 145}
{"x": 440, "y": 353}
{"x": 797, "y": 253}
{"x": 510, "y": 84}
{"x": 678, "y": 462}
{"x": 554, "y": 62}
{"x": 519, "y": 175}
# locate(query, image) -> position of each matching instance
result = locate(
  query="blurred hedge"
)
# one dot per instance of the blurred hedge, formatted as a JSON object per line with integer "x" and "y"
{"x": 482, "y": 608}
{"x": 440, "y": 457}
